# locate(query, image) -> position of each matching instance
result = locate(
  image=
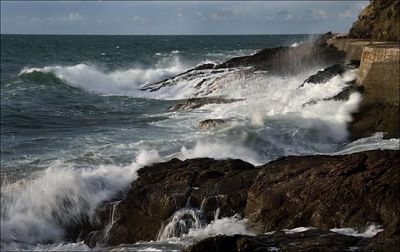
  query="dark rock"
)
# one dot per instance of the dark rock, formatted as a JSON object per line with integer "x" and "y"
{"x": 379, "y": 21}
{"x": 212, "y": 123}
{"x": 164, "y": 188}
{"x": 330, "y": 72}
{"x": 342, "y": 96}
{"x": 289, "y": 60}
{"x": 205, "y": 66}
{"x": 276, "y": 61}
{"x": 375, "y": 117}
{"x": 194, "y": 103}
{"x": 327, "y": 191}
{"x": 346, "y": 92}
{"x": 310, "y": 240}
{"x": 319, "y": 191}
{"x": 189, "y": 74}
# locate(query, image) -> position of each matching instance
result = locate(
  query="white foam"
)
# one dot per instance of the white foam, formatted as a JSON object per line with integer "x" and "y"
{"x": 297, "y": 230}
{"x": 225, "y": 226}
{"x": 37, "y": 210}
{"x": 120, "y": 82}
{"x": 296, "y": 44}
{"x": 219, "y": 150}
{"x": 373, "y": 142}
{"x": 371, "y": 231}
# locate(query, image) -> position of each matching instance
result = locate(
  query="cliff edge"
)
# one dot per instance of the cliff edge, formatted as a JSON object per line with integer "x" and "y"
{"x": 379, "y": 21}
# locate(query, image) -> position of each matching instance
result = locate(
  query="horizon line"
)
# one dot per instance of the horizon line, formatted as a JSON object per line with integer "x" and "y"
{"x": 243, "y": 34}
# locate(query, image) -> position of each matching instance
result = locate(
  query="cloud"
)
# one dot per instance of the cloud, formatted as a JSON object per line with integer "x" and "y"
{"x": 318, "y": 14}
{"x": 345, "y": 14}
{"x": 139, "y": 19}
{"x": 180, "y": 16}
{"x": 71, "y": 17}
{"x": 74, "y": 16}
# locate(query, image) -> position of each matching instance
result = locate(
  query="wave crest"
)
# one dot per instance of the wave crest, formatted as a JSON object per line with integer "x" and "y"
{"x": 119, "y": 82}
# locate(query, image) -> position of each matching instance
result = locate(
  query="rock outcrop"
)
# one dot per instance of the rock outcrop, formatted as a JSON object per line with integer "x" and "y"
{"x": 327, "y": 191}
{"x": 164, "y": 188}
{"x": 379, "y": 21}
{"x": 212, "y": 123}
{"x": 290, "y": 60}
{"x": 193, "y": 103}
{"x": 310, "y": 240}
{"x": 329, "y": 72}
{"x": 320, "y": 191}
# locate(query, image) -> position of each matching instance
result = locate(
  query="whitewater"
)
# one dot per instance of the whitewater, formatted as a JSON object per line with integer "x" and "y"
{"x": 76, "y": 133}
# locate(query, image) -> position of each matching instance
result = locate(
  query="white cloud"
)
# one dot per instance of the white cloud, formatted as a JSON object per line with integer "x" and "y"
{"x": 289, "y": 17}
{"x": 319, "y": 14}
{"x": 74, "y": 16}
{"x": 71, "y": 17}
{"x": 345, "y": 14}
{"x": 180, "y": 16}
{"x": 139, "y": 19}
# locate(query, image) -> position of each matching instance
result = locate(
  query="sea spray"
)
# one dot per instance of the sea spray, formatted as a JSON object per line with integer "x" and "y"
{"x": 39, "y": 209}
{"x": 119, "y": 82}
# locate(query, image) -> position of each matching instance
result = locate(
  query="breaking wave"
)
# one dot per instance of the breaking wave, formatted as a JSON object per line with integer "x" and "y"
{"x": 121, "y": 82}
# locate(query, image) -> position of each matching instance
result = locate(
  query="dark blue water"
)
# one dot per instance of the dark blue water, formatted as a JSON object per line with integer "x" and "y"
{"x": 43, "y": 118}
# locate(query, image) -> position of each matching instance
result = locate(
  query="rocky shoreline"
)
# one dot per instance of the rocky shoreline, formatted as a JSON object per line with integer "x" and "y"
{"x": 320, "y": 191}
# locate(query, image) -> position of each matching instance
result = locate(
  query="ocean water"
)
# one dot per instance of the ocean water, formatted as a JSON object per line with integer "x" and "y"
{"x": 76, "y": 127}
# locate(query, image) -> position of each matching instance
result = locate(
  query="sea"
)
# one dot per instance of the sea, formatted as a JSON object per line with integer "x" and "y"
{"x": 76, "y": 125}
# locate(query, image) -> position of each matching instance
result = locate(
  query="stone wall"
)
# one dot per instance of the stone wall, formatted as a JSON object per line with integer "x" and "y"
{"x": 379, "y": 73}
{"x": 352, "y": 47}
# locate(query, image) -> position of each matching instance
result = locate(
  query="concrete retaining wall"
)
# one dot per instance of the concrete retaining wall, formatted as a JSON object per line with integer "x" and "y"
{"x": 379, "y": 72}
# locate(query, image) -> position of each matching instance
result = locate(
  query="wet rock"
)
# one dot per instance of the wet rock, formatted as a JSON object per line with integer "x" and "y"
{"x": 346, "y": 92}
{"x": 342, "y": 96}
{"x": 310, "y": 240}
{"x": 330, "y": 72}
{"x": 194, "y": 103}
{"x": 212, "y": 123}
{"x": 375, "y": 117}
{"x": 289, "y": 60}
{"x": 205, "y": 66}
{"x": 327, "y": 191}
{"x": 319, "y": 191}
{"x": 164, "y": 188}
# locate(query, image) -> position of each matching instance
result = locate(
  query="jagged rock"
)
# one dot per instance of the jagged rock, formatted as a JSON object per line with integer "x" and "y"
{"x": 193, "y": 103}
{"x": 347, "y": 91}
{"x": 375, "y": 117}
{"x": 289, "y": 60}
{"x": 205, "y": 66}
{"x": 278, "y": 61}
{"x": 319, "y": 191}
{"x": 379, "y": 21}
{"x": 212, "y": 123}
{"x": 330, "y": 72}
{"x": 327, "y": 191}
{"x": 310, "y": 240}
{"x": 164, "y": 188}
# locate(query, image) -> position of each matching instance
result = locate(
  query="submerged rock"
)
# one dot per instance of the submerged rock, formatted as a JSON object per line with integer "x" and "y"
{"x": 212, "y": 123}
{"x": 194, "y": 103}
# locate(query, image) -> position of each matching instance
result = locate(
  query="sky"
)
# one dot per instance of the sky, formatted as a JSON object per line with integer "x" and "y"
{"x": 178, "y": 17}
